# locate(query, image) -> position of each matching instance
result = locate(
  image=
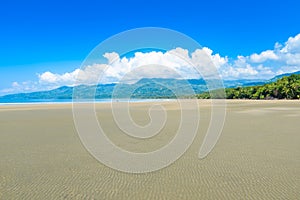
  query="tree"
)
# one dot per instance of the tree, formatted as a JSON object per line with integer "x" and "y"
{"x": 287, "y": 87}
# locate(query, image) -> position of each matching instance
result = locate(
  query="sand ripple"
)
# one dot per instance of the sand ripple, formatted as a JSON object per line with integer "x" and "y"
{"x": 257, "y": 157}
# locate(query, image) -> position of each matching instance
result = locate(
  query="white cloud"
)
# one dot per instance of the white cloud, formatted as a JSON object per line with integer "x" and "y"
{"x": 292, "y": 59}
{"x": 111, "y": 57}
{"x": 25, "y": 86}
{"x": 175, "y": 63}
{"x": 179, "y": 62}
{"x": 244, "y": 72}
{"x": 207, "y": 62}
{"x": 292, "y": 45}
{"x": 240, "y": 68}
{"x": 284, "y": 58}
{"x": 263, "y": 56}
{"x": 51, "y": 78}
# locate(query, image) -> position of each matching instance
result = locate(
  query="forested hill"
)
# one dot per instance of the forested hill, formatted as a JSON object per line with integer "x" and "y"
{"x": 287, "y": 87}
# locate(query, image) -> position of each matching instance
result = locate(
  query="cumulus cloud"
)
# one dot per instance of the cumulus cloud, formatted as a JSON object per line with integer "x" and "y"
{"x": 284, "y": 58}
{"x": 180, "y": 63}
{"x": 239, "y": 68}
{"x": 245, "y": 72}
{"x": 206, "y": 59}
{"x": 263, "y": 56}
{"x": 175, "y": 63}
{"x": 57, "y": 79}
{"x": 292, "y": 45}
{"x": 111, "y": 57}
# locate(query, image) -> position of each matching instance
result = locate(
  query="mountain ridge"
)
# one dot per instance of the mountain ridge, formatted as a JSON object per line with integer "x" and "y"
{"x": 143, "y": 88}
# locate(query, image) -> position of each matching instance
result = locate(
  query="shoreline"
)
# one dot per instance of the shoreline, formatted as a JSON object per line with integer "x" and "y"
{"x": 139, "y": 100}
{"x": 83, "y": 102}
{"x": 201, "y": 103}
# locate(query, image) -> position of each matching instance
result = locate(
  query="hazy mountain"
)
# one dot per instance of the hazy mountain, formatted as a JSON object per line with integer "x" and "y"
{"x": 144, "y": 88}
{"x": 282, "y": 75}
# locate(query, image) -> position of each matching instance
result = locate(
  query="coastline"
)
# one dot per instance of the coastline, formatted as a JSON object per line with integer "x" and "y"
{"x": 141, "y": 101}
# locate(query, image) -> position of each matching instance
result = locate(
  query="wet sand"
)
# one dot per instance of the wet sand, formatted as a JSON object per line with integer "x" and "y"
{"x": 256, "y": 157}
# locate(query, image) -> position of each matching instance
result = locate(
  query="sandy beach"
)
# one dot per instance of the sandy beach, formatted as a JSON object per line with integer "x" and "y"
{"x": 256, "y": 157}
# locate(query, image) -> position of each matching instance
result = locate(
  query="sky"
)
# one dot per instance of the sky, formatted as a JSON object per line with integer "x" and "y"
{"x": 43, "y": 43}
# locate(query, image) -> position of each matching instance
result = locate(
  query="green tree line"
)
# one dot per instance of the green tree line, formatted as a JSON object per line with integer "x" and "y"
{"x": 287, "y": 87}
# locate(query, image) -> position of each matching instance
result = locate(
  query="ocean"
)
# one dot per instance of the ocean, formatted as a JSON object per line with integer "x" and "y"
{"x": 59, "y": 101}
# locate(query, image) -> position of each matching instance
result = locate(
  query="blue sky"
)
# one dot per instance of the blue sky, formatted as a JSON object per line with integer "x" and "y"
{"x": 56, "y": 36}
